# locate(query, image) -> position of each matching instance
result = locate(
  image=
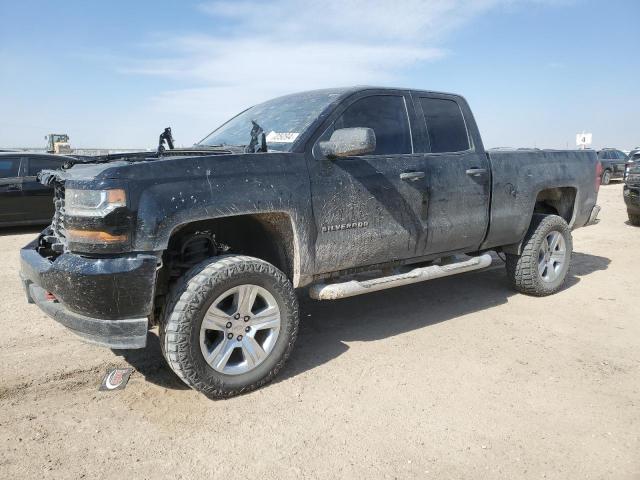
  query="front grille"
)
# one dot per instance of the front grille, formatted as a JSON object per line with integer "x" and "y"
{"x": 57, "y": 238}
{"x": 57, "y": 224}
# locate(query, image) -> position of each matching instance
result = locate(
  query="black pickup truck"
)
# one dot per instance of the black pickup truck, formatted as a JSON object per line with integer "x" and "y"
{"x": 343, "y": 191}
{"x": 631, "y": 189}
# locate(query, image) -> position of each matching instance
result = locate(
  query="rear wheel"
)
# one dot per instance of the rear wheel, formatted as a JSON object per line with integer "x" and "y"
{"x": 546, "y": 254}
{"x": 634, "y": 219}
{"x": 606, "y": 177}
{"x": 230, "y": 325}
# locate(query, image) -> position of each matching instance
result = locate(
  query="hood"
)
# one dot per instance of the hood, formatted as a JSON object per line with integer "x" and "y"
{"x": 83, "y": 167}
{"x": 168, "y": 167}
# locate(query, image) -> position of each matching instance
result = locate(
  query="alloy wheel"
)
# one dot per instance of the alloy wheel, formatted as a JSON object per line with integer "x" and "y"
{"x": 552, "y": 256}
{"x": 240, "y": 329}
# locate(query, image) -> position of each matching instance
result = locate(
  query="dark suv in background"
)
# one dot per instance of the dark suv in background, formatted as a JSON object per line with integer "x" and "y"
{"x": 613, "y": 163}
{"x": 24, "y": 200}
{"x": 631, "y": 190}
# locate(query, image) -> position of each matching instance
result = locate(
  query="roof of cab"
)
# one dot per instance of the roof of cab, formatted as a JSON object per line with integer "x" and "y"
{"x": 345, "y": 91}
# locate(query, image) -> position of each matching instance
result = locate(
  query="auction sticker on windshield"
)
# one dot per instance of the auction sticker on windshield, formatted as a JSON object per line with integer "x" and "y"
{"x": 282, "y": 137}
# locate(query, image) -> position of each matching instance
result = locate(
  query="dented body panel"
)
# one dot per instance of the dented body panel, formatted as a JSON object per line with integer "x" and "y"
{"x": 324, "y": 217}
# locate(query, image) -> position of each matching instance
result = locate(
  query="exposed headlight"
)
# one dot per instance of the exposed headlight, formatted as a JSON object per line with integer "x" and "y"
{"x": 93, "y": 203}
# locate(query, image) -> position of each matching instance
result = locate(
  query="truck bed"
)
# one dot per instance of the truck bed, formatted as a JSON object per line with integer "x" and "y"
{"x": 518, "y": 177}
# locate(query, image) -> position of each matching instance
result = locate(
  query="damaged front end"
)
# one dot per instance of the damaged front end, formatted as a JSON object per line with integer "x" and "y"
{"x": 88, "y": 281}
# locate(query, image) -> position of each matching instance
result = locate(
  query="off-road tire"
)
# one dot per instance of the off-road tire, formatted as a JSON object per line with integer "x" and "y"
{"x": 522, "y": 270}
{"x": 634, "y": 219}
{"x": 189, "y": 300}
{"x": 606, "y": 177}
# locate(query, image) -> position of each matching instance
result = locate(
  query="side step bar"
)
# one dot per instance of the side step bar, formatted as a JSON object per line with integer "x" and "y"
{"x": 333, "y": 291}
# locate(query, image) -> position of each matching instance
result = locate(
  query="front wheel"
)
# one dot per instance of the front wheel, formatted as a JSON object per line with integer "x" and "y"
{"x": 230, "y": 325}
{"x": 634, "y": 219}
{"x": 546, "y": 254}
{"x": 606, "y": 177}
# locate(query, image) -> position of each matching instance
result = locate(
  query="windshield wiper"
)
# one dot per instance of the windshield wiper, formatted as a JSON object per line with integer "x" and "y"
{"x": 200, "y": 146}
{"x": 258, "y": 141}
{"x": 165, "y": 136}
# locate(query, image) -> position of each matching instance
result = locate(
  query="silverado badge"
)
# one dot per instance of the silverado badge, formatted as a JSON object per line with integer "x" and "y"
{"x": 344, "y": 226}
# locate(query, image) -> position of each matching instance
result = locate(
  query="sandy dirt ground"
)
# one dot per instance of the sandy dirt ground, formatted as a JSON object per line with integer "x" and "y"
{"x": 455, "y": 378}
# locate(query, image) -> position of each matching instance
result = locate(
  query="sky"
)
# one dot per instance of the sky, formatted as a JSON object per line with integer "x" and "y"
{"x": 115, "y": 74}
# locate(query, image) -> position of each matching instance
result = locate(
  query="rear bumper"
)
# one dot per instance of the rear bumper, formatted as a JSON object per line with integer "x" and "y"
{"x": 593, "y": 216}
{"x": 107, "y": 301}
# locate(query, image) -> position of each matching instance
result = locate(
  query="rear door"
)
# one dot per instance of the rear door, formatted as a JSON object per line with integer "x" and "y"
{"x": 458, "y": 174}
{"x": 620, "y": 163}
{"x": 366, "y": 211}
{"x": 606, "y": 158}
{"x": 38, "y": 198}
{"x": 11, "y": 206}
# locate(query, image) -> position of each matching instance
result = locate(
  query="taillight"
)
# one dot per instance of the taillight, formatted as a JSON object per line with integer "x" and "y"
{"x": 598, "y": 175}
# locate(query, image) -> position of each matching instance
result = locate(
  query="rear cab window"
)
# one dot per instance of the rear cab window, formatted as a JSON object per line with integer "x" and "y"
{"x": 9, "y": 167}
{"x": 386, "y": 115}
{"x": 445, "y": 125}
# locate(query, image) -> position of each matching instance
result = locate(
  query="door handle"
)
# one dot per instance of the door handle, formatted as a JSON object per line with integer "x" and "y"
{"x": 412, "y": 176}
{"x": 476, "y": 172}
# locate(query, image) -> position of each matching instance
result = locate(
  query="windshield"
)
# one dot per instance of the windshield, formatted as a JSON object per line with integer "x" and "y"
{"x": 282, "y": 120}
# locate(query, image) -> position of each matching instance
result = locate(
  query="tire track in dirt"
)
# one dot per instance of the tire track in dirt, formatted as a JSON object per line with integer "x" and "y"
{"x": 68, "y": 381}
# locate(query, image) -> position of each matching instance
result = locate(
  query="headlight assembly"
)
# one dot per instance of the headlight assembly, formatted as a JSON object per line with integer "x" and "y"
{"x": 93, "y": 203}
{"x": 96, "y": 219}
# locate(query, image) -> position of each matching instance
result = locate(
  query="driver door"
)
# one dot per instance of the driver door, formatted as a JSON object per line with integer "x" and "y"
{"x": 369, "y": 209}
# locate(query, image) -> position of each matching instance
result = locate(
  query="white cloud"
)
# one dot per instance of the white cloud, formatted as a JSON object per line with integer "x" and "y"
{"x": 264, "y": 49}
{"x": 375, "y": 20}
{"x": 241, "y": 53}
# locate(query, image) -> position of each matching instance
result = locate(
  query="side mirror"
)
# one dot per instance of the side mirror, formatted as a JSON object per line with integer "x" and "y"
{"x": 347, "y": 142}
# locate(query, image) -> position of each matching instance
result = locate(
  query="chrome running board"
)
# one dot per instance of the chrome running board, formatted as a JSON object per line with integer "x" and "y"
{"x": 333, "y": 291}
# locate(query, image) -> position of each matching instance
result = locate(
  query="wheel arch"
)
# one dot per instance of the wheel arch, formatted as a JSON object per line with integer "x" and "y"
{"x": 270, "y": 236}
{"x": 560, "y": 201}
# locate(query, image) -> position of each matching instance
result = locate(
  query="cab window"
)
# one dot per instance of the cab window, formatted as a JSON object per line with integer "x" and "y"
{"x": 386, "y": 115}
{"x": 9, "y": 167}
{"x": 445, "y": 125}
